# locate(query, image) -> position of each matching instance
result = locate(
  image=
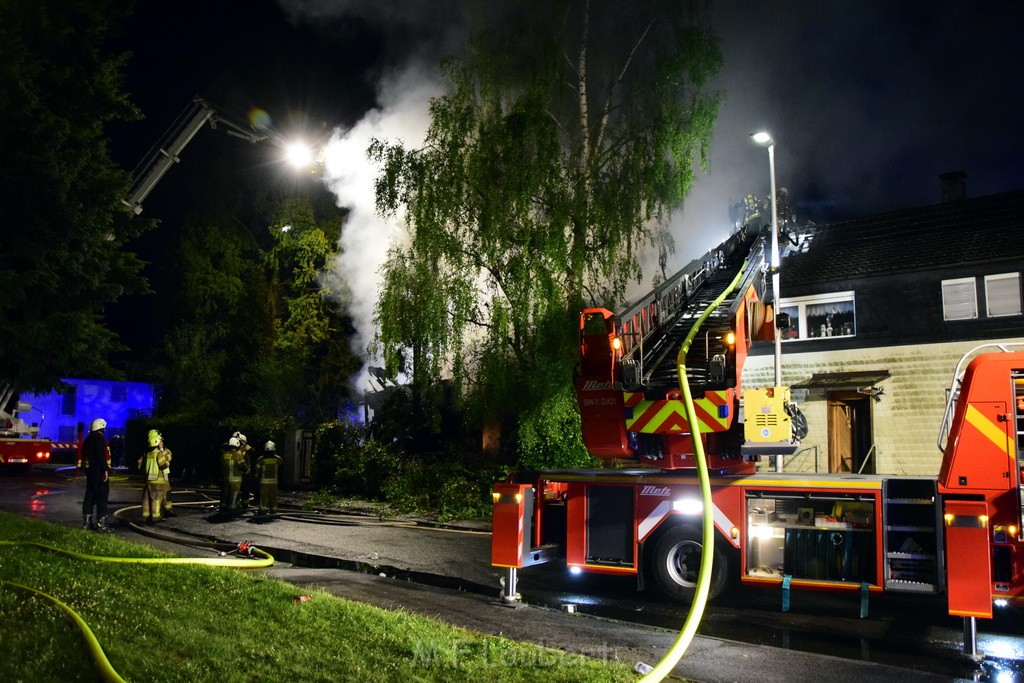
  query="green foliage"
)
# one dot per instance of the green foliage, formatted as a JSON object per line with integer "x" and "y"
{"x": 549, "y": 433}
{"x": 181, "y": 622}
{"x": 258, "y": 332}
{"x": 549, "y": 167}
{"x": 64, "y": 229}
{"x": 450, "y": 489}
{"x": 347, "y": 462}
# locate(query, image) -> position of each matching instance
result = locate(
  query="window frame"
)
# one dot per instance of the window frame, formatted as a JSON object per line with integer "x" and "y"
{"x": 946, "y": 313}
{"x": 800, "y": 318}
{"x": 1015, "y": 276}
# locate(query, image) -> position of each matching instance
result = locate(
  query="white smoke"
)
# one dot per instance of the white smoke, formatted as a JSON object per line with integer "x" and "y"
{"x": 350, "y": 175}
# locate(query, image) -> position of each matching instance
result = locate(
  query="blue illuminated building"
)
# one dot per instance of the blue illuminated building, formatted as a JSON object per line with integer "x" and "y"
{"x": 62, "y": 414}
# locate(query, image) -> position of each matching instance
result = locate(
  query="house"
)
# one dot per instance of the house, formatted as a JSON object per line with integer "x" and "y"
{"x": 62, "y": 415}
{"x": 883, "y": 308}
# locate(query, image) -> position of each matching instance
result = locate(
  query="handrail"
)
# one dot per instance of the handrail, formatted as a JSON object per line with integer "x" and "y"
{"x": 953, "y": 392}
{"x": 661, "y": 308}
{"x": 860, "y": 470}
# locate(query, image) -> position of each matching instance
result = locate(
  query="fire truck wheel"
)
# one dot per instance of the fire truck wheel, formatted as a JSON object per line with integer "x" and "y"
{"x": 676, "y": 563}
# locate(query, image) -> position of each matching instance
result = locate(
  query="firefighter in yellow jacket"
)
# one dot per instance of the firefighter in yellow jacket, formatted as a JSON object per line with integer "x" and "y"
{"x": 267, "y": 468}
{"x": 233, "y": 469}
{"x": 155, "y": 465}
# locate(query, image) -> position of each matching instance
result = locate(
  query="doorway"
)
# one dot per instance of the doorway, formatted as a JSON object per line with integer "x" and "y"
{"x": 849, "y": 433}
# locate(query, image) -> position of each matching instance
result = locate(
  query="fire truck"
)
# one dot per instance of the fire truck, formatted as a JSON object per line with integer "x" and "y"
{"x": 957, "y": 534}
{"x": 20, "y": 445}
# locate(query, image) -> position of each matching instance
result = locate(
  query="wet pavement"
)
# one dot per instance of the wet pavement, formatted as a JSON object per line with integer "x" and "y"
{"x": 443, "y": 573}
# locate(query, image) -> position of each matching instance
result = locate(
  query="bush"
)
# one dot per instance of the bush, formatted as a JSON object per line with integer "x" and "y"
{"x": 550, "y": 435}
{"x": 449, "y": 489}
{"x": 348, "y": 462}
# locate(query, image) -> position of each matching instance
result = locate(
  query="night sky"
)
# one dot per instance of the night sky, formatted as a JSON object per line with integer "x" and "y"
{"x": 868, "y": 101}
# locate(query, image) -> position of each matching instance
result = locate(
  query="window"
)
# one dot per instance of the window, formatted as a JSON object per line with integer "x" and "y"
{"x": 118, "y": 393}
{"x": 1002, "y": 295}
{"x": 819, "y": 317}
{"x": 959, "y": 299}
{"x": 67, "y": 401}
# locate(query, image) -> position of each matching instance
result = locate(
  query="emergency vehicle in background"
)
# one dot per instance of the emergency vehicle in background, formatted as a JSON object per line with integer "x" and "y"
{"x": 957, "y": 534}
{"x": 20, "y": 445}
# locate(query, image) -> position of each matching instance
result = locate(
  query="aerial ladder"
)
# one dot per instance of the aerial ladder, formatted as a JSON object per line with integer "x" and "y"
{"x": 630, "y": 364}
{"x": 166, "y": 152}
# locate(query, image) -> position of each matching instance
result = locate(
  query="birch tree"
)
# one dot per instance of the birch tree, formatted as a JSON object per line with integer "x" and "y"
{"x": 549, "y": 169}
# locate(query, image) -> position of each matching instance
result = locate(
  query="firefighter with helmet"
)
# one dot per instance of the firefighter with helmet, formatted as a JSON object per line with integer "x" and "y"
{"x": 233, "y": 469}
{"x": 155, "y": 464}
{"x": 94, "y": 458}
{"x": 267, "y": 468}
{"x": 250, "y": 485}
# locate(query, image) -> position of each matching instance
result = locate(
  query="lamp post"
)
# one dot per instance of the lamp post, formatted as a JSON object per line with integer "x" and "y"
{"x": 764, "y": 139}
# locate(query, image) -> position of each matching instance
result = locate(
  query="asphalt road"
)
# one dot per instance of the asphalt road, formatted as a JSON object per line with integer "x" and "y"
{"x": 446, "y": 573}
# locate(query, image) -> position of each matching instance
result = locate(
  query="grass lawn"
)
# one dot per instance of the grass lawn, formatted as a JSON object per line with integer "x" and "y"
{"x": 197, "y": 623}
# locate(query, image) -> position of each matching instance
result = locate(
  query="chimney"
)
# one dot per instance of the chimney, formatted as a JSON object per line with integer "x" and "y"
{"x": 953, "y": 186}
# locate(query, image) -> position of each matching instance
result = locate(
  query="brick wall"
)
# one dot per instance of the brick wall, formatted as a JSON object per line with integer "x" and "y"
{"x": 905, "y": 422}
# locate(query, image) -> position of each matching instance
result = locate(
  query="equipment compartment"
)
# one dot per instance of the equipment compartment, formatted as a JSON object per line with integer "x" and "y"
{"x": 824, "y": 537}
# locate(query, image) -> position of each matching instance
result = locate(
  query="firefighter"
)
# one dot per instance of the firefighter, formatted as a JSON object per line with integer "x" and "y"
{"x": 168, "y": 511}
{"x": 233, "y": 469}
{"x": 267, "y": 468}
{"x": 94, "y": 458}
{"x": 155, "y": 465}
{"x": 250, "y": 484}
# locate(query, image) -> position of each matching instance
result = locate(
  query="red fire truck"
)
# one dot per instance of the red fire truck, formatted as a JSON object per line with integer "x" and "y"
{"x": 957, "y": 534}
{"x": 20, "y": 445}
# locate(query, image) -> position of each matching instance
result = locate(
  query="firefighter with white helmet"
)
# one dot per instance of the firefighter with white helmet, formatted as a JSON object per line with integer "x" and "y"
{"x": 233, "y": 468}
{"x": 94, "y": 458}
{"x": 267, "y": 468}
{"x": 250, "y": 485}
{"x": 155, "y": 465}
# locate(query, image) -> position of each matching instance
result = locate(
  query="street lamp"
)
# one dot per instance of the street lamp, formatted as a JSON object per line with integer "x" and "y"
{"x": 300, "y": 155}
{"x": 764, "y": 139}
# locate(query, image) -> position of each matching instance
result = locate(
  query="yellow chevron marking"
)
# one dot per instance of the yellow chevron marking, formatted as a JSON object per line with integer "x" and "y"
{"x": 989, "y": 430}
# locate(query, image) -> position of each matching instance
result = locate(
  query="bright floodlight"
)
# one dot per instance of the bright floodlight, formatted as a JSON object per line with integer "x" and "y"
{"x": 299, "y": 155}
{"x": 762, "y": 138}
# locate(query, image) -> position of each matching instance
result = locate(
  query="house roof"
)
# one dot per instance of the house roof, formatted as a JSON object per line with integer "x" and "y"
{"x": 968, "y": 231}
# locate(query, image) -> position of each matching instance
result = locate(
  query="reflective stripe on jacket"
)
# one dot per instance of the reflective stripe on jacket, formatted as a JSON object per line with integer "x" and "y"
{"x": 268, "y": 466}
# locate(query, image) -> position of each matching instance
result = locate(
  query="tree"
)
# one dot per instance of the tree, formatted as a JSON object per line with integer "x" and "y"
{"x": 548, "y": 169}
{"x": 64, "y": 229}
{"x": 310, "y": 362}
{"x": 257, "y": 330}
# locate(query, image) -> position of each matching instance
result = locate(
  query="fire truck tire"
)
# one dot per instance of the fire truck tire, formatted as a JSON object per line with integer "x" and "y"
{"x": 676, "y": 564}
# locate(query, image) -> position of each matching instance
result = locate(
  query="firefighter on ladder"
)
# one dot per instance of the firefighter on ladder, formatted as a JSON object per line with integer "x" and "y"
{"x": 155, "y": 465}
{"x": 267, "y": 468}
{"x": 94, "y": 459}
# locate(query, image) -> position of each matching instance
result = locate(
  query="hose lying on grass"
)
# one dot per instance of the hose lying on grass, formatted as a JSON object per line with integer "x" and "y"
{"x": 106, "y": 670}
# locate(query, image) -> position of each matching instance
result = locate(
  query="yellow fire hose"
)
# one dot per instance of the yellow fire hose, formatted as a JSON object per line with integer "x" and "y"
{"x": 678, "y": 649}
{"x": 106, "y": 670}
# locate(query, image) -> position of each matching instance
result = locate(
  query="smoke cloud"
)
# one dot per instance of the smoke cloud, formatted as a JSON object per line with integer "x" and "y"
{"x": 867, "y": 103}
{"x": 367, "y": 236}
